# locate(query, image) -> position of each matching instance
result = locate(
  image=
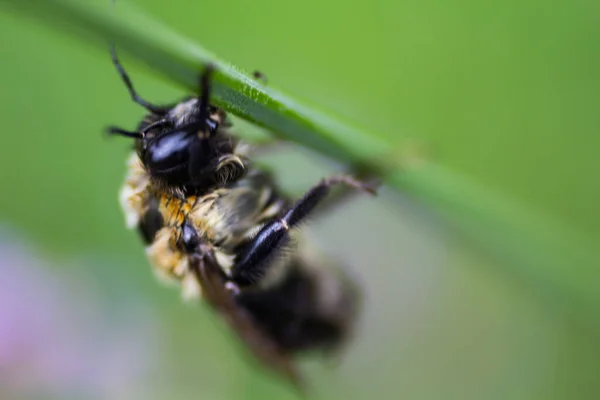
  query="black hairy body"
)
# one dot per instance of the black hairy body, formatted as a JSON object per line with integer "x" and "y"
{"x": 221, "y": 228}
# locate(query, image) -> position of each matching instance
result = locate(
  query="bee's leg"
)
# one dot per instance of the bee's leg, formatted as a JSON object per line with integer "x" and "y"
{"x": 254, "y": 259}
{"x": 343, "y": 195}
{"x": 188, "y": 239}
{"x": 201, "y": 150}
{"x": 134, "y": 96}
{"x": 204, "y": 100}
{"x": 151, "y": 221}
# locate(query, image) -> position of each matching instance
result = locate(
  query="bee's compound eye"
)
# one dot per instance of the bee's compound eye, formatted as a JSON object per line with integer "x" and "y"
{"x": 167, "y": 152}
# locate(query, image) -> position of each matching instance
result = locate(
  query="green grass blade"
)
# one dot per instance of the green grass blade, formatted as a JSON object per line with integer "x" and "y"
{"x": 181, "y": 60}
{"x": 535, "y": 248}
{"x": 554, "y": 260}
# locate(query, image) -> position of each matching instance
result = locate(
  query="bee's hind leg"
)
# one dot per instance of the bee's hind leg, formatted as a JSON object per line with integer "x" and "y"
{"x": 254, "y": 259}
{"x": 345, "y": 194}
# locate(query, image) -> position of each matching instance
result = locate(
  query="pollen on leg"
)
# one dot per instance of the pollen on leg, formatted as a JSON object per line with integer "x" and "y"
{"x": 163, "y": 255}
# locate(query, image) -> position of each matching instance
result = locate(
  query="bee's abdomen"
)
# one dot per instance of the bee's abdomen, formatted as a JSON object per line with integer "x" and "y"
{"x": 291, "y": 313}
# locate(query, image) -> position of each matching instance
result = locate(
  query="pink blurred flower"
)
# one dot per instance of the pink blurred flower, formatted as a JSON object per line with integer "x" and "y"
{"x": 59, "y": 338}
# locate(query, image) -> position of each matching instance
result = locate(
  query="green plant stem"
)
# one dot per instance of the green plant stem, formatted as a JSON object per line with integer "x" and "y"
{"x": 535, "y": 248}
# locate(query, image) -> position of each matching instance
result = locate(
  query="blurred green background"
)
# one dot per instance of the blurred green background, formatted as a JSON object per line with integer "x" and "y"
{"x": 505, "y": 93}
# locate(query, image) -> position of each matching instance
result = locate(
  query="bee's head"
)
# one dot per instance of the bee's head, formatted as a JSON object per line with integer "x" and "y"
{"x": 182, "y": 145}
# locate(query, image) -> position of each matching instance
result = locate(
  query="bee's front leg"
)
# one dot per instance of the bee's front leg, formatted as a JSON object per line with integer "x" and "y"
{"x": 255, "y": 258}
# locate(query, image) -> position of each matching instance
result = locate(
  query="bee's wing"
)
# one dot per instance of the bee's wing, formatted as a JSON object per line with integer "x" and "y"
{"x": 221, "y": 299}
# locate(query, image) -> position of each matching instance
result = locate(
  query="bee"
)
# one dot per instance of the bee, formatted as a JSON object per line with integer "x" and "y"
{"x": 222, "y": 229}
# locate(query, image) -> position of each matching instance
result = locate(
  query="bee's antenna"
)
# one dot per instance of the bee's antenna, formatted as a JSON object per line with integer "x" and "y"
{"x": 204, "y": 101}
{"x": 113, "y": 130}
{"x": 134, "y": 96}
